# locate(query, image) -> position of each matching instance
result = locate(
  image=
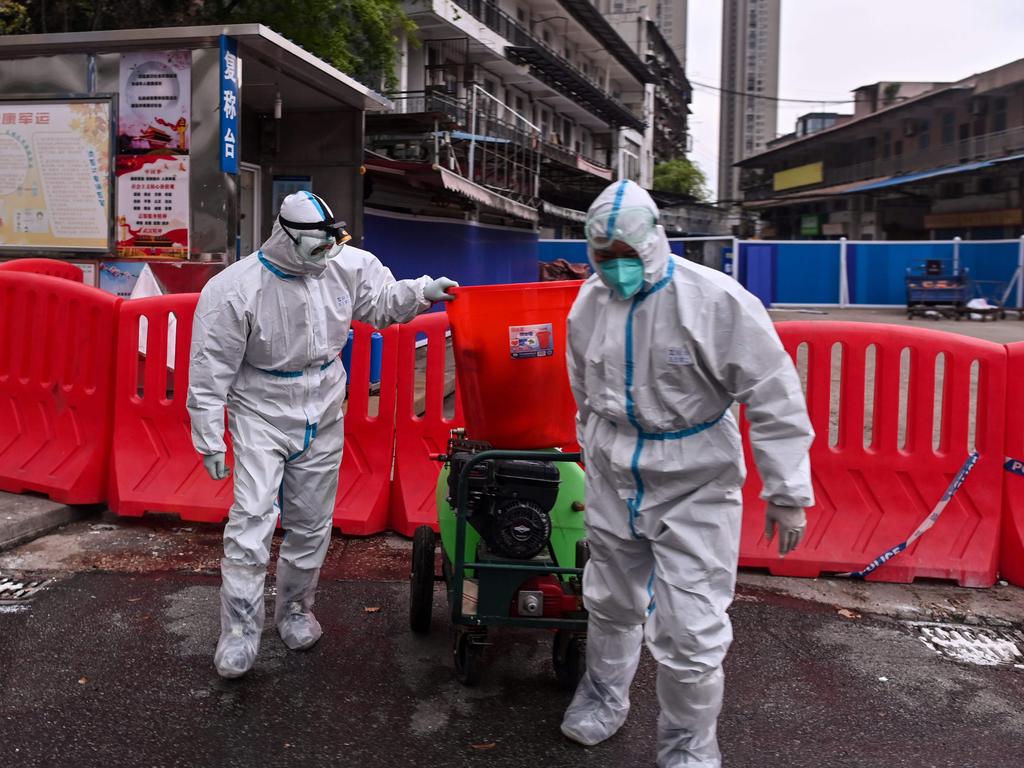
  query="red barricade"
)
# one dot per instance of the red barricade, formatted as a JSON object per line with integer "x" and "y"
{"x": 870, "y": 499}
{"x": 154, "y": 465}
{"x": 1011, "y": 557}
{"x": 51, "y": 267}
{"x": 365, "y": 484}
{"x": 56, "y": 387}
{"x": 417, "y": 437}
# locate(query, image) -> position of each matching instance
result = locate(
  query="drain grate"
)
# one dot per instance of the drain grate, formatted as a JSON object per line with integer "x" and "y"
{"x": 984, "y": 646}
{"x": 19, "y": 589}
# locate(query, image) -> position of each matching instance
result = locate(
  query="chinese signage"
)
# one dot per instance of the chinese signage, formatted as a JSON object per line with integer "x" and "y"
{"x": 230, "y": 82}
{"x": 152, "y": 193}
{"x": 156, "y": 94}
{"x": 55, "y": 175}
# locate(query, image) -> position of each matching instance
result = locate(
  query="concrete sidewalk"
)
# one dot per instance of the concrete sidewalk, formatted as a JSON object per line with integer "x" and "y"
{"x": 24, "y": 517}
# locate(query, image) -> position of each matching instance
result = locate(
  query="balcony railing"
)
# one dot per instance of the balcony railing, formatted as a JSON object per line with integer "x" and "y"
{"x": 415, "y": 102}
{"x": 986, "y": 146}
{"x": 519, "y": 36}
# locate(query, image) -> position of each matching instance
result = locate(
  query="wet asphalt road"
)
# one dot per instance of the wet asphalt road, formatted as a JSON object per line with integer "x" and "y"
{"x": 114, "y": 669}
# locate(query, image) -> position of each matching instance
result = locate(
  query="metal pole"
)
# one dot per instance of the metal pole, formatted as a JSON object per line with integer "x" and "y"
{"x": 472, "y": 135}
{"x": 844, "y": 282}
{"x": 956, "y": 255}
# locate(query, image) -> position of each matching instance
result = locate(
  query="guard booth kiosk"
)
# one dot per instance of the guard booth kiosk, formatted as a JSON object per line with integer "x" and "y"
{"x": 170, "y": 148}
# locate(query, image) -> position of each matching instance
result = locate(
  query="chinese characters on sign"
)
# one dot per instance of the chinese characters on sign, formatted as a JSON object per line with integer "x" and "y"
{"x": 153, "y": 209}
{"x": 230, "y": 83}
{"x": 55, "y": 175}
{"x": 155, "y": 103}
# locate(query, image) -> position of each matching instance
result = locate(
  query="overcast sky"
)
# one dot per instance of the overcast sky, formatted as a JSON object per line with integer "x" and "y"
{"x": 830, "y": 47}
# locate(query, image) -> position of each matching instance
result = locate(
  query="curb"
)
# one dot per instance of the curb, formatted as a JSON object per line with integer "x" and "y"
{"x": 24, "y": 518}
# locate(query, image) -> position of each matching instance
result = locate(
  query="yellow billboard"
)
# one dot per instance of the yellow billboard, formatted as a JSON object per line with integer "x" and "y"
{"x": 801, "y": 176}
{"x": 55, "y": 186}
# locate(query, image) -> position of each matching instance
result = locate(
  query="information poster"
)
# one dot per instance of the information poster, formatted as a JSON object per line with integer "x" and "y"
{"x": 88, "y": 272}
{"x": 152, "y": 202}
{"x": 55, "y": 175}
{"x": 155, "y": 103}
{"x": 119, "y": 277}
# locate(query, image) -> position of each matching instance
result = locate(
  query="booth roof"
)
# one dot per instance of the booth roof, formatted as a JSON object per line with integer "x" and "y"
{"x": 254, "y": 39}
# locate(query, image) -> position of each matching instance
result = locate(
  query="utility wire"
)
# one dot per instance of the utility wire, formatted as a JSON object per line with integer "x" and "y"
{"x": 770, "y": 98}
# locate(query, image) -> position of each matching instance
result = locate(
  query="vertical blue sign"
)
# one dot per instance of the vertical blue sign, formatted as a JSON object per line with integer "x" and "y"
{"x": 230, "y": 79}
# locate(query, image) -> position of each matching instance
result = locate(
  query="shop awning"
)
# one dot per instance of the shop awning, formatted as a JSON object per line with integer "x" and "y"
{"x": 463, "y": 186}
{"x": 558, "y": 211}
{"x": 424, "y": 174}
{"x": 907, "y": 178}
{"x": 811, "y": 195}
{"x": 598, "y": 170}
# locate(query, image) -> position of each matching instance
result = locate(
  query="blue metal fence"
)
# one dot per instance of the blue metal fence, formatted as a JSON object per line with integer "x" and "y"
{"x": 812, "y": 272}
{"x": 470, "y": 253}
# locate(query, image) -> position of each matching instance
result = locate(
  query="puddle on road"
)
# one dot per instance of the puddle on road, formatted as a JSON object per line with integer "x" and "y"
{"x": 982, "y": 646}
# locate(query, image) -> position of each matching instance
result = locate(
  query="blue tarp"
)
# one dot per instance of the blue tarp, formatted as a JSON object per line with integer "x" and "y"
{"x": 469, "y": 253}
{"x": 573, "y": 251}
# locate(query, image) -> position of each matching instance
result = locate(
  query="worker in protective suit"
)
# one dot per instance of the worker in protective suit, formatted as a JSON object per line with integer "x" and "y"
{"x": 659, "y": 348}
{"x": 267, "y": 334}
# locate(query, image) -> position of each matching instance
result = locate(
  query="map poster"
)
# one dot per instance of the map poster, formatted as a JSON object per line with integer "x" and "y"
{"x": 154, "y": 115}
{"x": 55, "y": 175}
{"x": 152, "y": 203}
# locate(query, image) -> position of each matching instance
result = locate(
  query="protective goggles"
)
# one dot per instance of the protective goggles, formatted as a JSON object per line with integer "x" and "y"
{"x": 335, "y": 231}
{"x": 632, "y": 226}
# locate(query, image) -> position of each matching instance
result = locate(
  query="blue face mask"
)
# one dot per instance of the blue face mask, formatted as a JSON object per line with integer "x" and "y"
{"x": 624, "y": 276}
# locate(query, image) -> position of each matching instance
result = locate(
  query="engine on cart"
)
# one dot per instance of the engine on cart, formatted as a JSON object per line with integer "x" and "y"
{"x": 510, "y": 500}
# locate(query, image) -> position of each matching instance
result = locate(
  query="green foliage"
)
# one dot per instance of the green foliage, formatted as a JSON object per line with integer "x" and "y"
{"x": 356, "y": 36}
{"x": 682, "y": 176}
{"x": 14, "y": 18}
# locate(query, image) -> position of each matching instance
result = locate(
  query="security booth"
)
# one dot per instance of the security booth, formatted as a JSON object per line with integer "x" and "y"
{"x": 170, "y": 148}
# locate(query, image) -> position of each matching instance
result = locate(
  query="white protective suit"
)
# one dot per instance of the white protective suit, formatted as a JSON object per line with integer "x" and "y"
{"x": 266, "y": 340}
{"x": 654, "y": 377}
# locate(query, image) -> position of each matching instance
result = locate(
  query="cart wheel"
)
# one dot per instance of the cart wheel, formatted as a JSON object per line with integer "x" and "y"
{"x": 421, "y": 580}
{"x": 569, "y": 656}
{"x": 467, "y": 651}
{"x": 582, "y": 553}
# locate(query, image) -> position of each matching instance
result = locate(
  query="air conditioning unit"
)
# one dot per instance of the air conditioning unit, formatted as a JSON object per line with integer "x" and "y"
{"x": 910, "y": 127}
{"x": 979, "y": 106}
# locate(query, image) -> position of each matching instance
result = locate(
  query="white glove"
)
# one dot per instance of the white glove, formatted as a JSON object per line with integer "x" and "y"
{"x": 791, "y": 523}
{"x": 216, "y": 466}
{"x": 437, "y": 289}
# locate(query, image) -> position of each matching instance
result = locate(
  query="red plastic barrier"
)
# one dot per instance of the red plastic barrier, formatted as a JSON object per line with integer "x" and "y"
{"x": 364, "y": 489}
{"x": 154, "y": 465}
{"x": 56, "y": 387}
{"x": 417, "y": 437}
{"x": 871, "y": 498}
{"x": 1011, "y": 557}
{"x": 51, "y": 267}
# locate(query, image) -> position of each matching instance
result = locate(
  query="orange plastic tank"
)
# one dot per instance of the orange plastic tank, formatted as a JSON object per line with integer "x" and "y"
{"x": 510, "y": 362}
